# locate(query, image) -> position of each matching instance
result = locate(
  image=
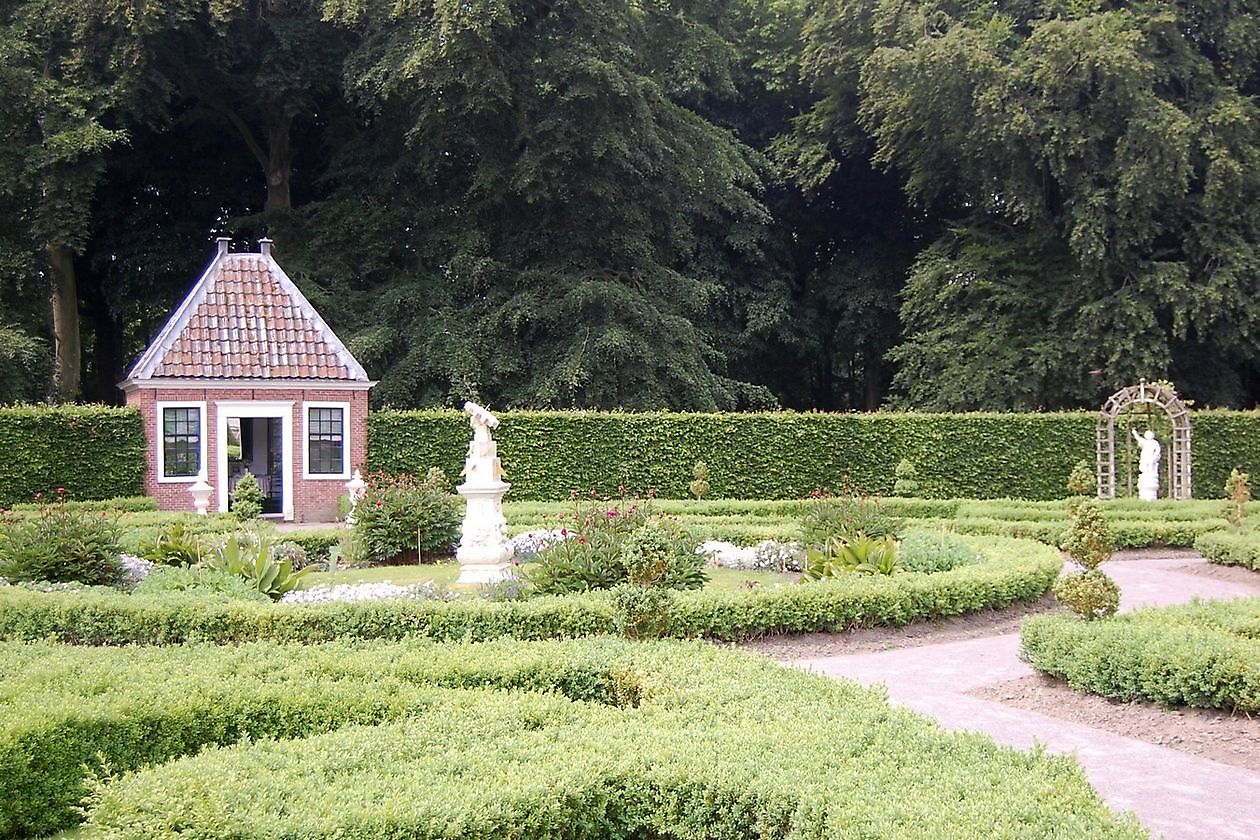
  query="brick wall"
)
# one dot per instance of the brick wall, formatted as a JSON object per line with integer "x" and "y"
{"x": 313, "y": 499}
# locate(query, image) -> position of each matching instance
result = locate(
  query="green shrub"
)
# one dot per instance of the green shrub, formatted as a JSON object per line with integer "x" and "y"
{"x": 125, "y": 504}
{"x": 576, "y": 739}
{"x": 1230, "y": 549}
{"x": 1081, "y": 480}
{"x": 94, "y": 452}
{"x": 699, "y": 485}
{"x": 255, "y": 562}
{"x": 662, "y": 555}
{"x": 1089, "y": 542}
{"x": 845, "y": 515}
{"x": 926, "y": 552}
{"x": 292, "y": 553}
{"x": 176, "y": 545}
{"x": 1013, "y": 571}
{"x": 1237, "y": 494}
{"x": 579, "y": 563}
{"x": 59, "y": 543}
{"x": 1090, "y": 594}
{"x": 199, "y": 582}
{"x": 907, "y": 483}
{"x": 400, "y": 514}
{"x": 858, "y": 554}
{"x": 1201, "y": 654}
{"x": 317, "y": 545}
{"x": 641, "y": 611}
{"x": 247, "y": 498}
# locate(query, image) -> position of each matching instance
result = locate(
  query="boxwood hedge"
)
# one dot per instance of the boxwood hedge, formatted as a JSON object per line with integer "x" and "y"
{"x": 1202, "y": 654}
{"x": 1014, "y": 571}
{"x": 513, "y": 739}
{"x": 785, "y": 455}
{"x": 1229, "y": 548}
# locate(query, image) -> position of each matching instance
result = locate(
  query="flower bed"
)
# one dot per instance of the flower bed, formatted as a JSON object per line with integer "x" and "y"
{"x": 1203, "y": 654}
{"x": 587, "y": 739}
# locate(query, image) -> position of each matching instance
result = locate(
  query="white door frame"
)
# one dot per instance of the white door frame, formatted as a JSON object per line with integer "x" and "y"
{"x": 283, "y": 410}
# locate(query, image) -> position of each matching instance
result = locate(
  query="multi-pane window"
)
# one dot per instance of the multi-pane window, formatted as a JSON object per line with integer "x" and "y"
{"x": 326, "y": 441}
{"x": 181, "y": 442}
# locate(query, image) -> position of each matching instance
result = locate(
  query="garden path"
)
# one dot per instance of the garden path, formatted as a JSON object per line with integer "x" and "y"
{"x": 1181, "y": 796}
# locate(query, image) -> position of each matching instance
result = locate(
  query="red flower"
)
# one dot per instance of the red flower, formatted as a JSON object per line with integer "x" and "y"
{"x": 581, "y": 539}
{"x": 564, "y": 532}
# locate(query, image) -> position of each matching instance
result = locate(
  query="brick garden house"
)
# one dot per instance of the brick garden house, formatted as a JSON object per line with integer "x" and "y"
{"x": 246, "y": 376}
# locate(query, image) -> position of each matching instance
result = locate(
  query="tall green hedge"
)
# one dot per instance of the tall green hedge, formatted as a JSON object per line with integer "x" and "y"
{"x": 93, "y": 451}
{"x": 548, "y": 454}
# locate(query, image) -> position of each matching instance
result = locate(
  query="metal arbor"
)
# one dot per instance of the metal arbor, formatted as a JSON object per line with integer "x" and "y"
{"x": 1178, "y": 460}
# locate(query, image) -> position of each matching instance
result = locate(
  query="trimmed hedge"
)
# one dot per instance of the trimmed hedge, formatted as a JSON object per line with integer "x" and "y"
{"x": 696, "y": 742}
{"x": 93, "y": 451}
{"x": 1203, "y": 654}
{"x": 63, "y": 710}
{"x": 785, "y": 455}
{"x": 1229, "y": 548}
{"x": 1014, "y": 571}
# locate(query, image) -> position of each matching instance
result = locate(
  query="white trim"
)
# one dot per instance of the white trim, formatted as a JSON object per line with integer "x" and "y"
{"x": 283, "y": 410}
{"x": 344, "y": 475}
{"x": 159, "y": 440}
{"x": 206, "y": 383}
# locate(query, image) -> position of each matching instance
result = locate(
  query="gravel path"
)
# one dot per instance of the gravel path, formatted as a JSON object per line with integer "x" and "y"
{"x": 1173, "y": 793}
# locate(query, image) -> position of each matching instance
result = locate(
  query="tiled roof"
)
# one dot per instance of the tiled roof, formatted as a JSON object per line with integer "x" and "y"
{"x": 245, "y": 319}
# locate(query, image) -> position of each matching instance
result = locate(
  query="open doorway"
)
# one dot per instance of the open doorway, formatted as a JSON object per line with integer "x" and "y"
{"x": 256, "y": 445}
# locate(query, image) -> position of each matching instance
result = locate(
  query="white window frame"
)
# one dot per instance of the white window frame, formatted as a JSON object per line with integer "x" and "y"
{"x": 283, "y": 410}
{"x": 344, "y": 475}
{"x": 160, "y": 440}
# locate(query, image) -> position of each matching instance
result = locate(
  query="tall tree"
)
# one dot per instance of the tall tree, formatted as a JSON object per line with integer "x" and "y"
{"x": 73, "y": 75}
{"x": 562, "y": 200}
{"x": 1095, "y": 164}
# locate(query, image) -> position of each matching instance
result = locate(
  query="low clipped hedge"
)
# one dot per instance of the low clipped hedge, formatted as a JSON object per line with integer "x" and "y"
{"x": 92, "y": 451}
{"x": 591, "y": 739}
{"x": 1014, "y": 571}
{"x": 784, "y": 455}
{"x": 1203, "y": 654}
{"x": 65, "y": 711}
{"x": 1229, "y": 548}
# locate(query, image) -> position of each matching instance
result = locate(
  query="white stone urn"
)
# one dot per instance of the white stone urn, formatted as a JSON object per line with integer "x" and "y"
{"x": 484, "y": 553}
{"x": 200, "y": 490}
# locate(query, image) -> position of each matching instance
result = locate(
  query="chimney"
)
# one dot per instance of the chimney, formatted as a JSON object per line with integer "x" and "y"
{"x": 223, "y": 241}
{"x": 264, "y": 246}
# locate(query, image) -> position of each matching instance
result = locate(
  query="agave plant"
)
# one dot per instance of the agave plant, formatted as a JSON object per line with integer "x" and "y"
{"x": 857, "y": 554}
{"x": 255, "y": 563}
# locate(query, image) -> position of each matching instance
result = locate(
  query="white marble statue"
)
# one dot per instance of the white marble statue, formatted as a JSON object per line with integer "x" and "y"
{"x": 1148, "y": 466}
{"x": 484, "y": 552}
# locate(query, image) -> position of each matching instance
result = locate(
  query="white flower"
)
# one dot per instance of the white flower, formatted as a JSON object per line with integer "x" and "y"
{"x": 424, "y": 591}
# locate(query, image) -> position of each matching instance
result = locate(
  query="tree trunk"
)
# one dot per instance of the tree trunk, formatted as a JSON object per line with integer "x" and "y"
{"x": 279, "y": 164}
{"x": 68, "y": 356}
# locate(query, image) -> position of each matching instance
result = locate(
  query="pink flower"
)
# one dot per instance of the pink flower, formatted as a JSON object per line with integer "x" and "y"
{"x": 581, "y": 539}
{"x": 564, "y": 532}
{"x": 612, "y": 513}
{"x": 61, "y": 491}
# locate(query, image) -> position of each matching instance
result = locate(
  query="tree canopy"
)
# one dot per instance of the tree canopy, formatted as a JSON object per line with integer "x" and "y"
{"x": 689, "y": 204}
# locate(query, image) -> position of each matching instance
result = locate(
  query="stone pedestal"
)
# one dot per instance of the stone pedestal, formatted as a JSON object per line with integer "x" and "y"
{"x": 484, "y": 553}
{"x": 1148, "y": 487}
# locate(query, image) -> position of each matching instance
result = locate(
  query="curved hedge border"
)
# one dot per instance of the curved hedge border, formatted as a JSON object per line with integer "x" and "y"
{"x": 64, "y": 709}
{"x": 1015, "y": 571}
{"x": 1204, "y": 654}
{"x": 785, "y": 455}
{"x": 698, "y": 742}
{"x": 93, "y": 451}
{"x": 1231, "y": 549}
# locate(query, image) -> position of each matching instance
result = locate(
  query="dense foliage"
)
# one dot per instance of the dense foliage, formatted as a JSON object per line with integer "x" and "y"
{"x": 401, "y": 513}
{"x": 1201, "y": 654}
{"x": 693, "y": 205}
{"x": 581, "y": 739}
{"x": 787, "y": 455}
{"x": 92, "y": 452}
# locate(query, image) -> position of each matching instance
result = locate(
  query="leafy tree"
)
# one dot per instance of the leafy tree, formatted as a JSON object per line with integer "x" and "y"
{"x": 566, "y": 260}
{"x": 1094, "y": 163}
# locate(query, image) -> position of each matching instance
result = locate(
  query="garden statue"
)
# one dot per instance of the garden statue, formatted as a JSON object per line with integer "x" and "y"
{"x": 484, "y": 552}
{"x": 1148, "y": 466}
{"x": 356, "y": 489}
{"x": 200, "y": 491}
